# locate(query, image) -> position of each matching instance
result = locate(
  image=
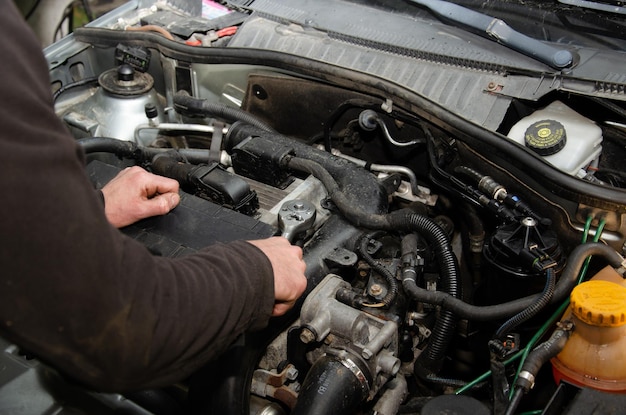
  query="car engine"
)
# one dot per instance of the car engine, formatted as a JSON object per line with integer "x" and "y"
{"x": 450, "y": 210}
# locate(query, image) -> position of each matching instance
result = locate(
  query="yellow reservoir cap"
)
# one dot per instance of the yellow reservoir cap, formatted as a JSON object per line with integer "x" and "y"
{"x": 599, "y": 303}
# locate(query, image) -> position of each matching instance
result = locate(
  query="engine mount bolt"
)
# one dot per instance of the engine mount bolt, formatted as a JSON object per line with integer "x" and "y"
{"x": 376, "y": 289}
{"x": 292, "y": 373}
{"x": 306, "y": 336}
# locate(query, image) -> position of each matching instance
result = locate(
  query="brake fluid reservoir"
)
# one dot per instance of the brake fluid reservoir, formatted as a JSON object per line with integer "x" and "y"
{"x": 563, "y": 137}
{"x": 595, "y": 354}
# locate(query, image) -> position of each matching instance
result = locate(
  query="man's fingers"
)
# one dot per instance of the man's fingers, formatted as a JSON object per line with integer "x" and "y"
{"x": 164, "y": 185}
{"x": 161, "y": 204}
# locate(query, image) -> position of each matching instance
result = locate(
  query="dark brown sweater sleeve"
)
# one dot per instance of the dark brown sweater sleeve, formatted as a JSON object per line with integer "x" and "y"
{"x": 73, "y": 290}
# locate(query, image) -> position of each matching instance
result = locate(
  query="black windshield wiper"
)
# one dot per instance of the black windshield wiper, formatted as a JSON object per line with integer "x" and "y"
{"x": 498, "y": 30}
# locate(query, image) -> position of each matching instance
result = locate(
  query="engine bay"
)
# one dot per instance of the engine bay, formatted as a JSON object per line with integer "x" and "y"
{"x": 442, "y": 247}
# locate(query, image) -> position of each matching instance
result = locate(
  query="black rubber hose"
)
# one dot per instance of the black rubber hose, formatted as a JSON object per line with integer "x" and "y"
{"x": 172, "y": 168}
{"x": 475, "y": 239}
{"x": 330, "y": 388}
{"x": 541, "y": 354}
{"x": 392, "y": 284}
{"x": 128, "y": 149}
{"x": 120, "y": 148}
{"x": 471, "y": 173}
{"x": 535, "y": 360}
{"x": 566, "y": 282}
{"x": 515, "y": 400}
{"x": 190, "y": 155}
{"x": 195, "y": 106}
{"x": 456, "y": 383}
{"x": 408, "y": 254}
{"x": 536, "y": 307}
{"x": 356, "y": 216}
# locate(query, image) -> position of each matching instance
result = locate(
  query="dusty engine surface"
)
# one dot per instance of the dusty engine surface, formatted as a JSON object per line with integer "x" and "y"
{"x": 441, "y": 253}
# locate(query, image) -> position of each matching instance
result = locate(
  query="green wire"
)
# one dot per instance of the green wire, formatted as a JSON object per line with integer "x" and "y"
{"x": 596, "y": 238}
{"x": 586, "y": 230}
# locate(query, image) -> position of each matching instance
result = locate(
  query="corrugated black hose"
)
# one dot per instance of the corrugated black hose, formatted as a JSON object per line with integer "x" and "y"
{"x": 536, "y": 307}
{"x": 432, "y": 358}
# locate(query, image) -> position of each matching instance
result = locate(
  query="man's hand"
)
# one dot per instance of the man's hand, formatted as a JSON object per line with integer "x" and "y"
{"x": 288, "y": 266}
{"x": 136, "y": 194}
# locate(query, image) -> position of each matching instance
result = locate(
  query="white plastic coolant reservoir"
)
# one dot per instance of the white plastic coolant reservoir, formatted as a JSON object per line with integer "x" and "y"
{"x": 563, "y": 137}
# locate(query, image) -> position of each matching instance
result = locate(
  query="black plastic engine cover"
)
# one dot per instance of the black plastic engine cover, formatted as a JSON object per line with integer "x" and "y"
{"x": 193, "y": 224}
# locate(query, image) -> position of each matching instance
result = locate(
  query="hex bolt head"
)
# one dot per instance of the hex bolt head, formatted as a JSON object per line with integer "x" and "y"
{"x": 306, "y": 336}
{"x": 376, "y": 289}
{"x": 292, "y": 373}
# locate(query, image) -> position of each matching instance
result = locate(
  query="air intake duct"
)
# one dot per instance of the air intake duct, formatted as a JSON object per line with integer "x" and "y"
{"x": 334, "y": 385}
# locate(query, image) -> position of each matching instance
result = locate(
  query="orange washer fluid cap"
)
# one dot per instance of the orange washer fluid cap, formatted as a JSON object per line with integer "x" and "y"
{"x": 599, "y": 303}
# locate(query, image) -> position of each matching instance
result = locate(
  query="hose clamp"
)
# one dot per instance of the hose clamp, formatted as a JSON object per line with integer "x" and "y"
{"x": 529, "y": 377}
{"x": 356, "y": 371}
{"x": 409, "y": 274}
{"x": 346, "y": 359}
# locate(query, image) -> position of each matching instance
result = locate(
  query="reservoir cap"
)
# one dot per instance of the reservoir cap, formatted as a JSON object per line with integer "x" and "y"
{"x": 599, "y": 303}
{"x": 545, "y": 137}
